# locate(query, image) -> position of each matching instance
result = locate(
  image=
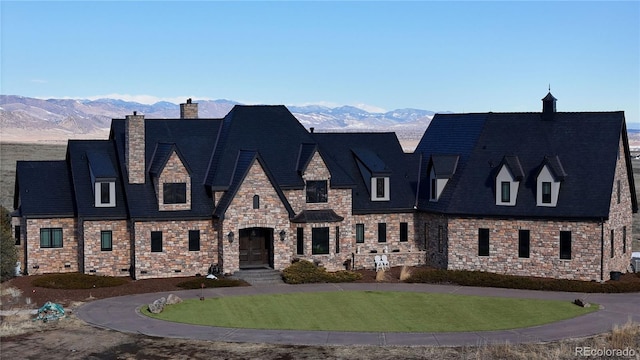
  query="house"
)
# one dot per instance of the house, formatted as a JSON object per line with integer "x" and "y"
{"x": 548, "y": 194}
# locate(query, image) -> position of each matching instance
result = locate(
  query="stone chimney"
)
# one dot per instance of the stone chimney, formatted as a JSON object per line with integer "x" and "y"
{"x": 189, "y": 110}
{"x": 134, "y": 142}
{"x": 548, "y": 107}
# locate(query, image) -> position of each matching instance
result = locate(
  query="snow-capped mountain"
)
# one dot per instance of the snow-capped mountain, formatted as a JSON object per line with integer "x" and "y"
{"x": 74, "y": 118}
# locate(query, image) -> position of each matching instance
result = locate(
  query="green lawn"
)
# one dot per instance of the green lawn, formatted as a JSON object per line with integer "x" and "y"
{"x": 370, "y": 311}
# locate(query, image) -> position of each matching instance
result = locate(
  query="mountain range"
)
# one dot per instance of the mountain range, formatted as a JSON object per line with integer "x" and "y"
{"x": 31, "y": 119}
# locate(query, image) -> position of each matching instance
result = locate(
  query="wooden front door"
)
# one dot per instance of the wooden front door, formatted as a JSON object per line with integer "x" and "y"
{"x": 255, "y": 247}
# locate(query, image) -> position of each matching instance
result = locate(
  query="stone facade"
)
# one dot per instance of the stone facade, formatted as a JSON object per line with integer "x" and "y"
{"x": 189, "y": 110}
{"x": 240, "y": 214}
{"x": 109, "y": 262}
{"x": 41, "y": 260}
{"x": 135, "y": 148}
{"x": 175, "y": 259}
{"x": 174, "y": 171}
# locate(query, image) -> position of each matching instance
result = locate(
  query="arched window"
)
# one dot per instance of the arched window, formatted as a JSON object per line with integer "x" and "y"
{"x": 256, "y": 201}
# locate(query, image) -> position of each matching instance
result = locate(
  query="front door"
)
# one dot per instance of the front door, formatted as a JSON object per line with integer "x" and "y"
{"x": 255, "y": 247}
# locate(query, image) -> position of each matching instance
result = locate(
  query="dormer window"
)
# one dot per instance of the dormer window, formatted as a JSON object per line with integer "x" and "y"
{"x": 380, "y": 187}
{"x": 548, "y": 182}
{"x": 442, "y": 168}
{"x": 174, "y": 193}
{"x": 508, "y": 181}
{"x": 105, "y": 193}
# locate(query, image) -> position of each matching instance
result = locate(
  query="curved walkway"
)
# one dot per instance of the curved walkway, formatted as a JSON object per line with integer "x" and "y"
{"x": 122, "y": 314}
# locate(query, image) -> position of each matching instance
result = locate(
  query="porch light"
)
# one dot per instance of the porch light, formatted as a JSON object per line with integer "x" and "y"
{"x": 230, "y": 236}
{"x": 282, "y": 234}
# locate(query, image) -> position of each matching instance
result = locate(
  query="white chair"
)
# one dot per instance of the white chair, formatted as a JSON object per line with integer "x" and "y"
{"x": 378, "y": 260}
{"x": 384, "y": 261}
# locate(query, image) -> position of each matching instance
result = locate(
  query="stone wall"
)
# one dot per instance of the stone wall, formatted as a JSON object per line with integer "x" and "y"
{"x": 432, "y": 232}
{"x": 175, "y": 259}
{"x": 544, "y": 259}
{"x": 240, "y": 215}
{"x": 135, "y": 148}
{"x": 174, "y": 171}
{"x": 620, "y": 220}
{"x": 114, "y": 262}
{"x": 51, "y": 260}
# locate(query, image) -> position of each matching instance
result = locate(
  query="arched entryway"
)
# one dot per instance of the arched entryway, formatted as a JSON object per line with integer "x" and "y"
{"x": 256, "y": 248}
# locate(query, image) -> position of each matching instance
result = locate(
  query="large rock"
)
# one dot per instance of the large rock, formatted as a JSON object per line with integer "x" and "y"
{"x": 582, "y": 303}
{"x": 173, "y": 299}
{"x": 157, "y": 306}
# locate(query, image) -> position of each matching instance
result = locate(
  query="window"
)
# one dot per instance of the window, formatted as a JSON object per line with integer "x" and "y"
{"x": 483, "y": 242}
{"x": 565, "y": 245}
{"x": 51, "y": 237}
{"x": 624, "y": 239}
{"x": 618, "y": 190}
{"x": 433, "y": 189}
{"x": 523, "y": 243}
{"x": 546, "y": 192}
{"x": 106, "y": 241}
{"x": 175, "y": 193}
{"x": 17, "y": 234}
{"x": 440, "y": 230}
{"x": 105, "y": 194}
{"x": 156, "y": 241}
{"x": 317, "y": 191}
{"x": 505, "y": 186}
{"x": 256, "y": 201}
{"x": 404, "y": 232}
{"x": 379, "y": 188}
{"x": 612, "y": 238}
{"x": 300, "y": 241}
{"x": 382, "y": 232}
{"x": 320, "y": 241}
{"x": 359, "y": 233}
{"x": 337, "y": 239}
{"x": 194, "y": 240}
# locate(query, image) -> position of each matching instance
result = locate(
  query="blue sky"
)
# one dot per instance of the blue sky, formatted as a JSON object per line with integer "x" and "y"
{"x": 458, "y": 56}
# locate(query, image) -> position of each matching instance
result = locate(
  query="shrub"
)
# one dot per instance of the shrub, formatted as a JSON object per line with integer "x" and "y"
{"x": 77, "y": 281}
{"x": 8, "y": 252}
{"x": 477, "y": 278}
{"x": 210, "y": 283}
{"x": 305, "y": 272}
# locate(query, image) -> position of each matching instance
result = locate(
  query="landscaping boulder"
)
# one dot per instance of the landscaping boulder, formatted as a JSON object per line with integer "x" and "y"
{"x": 157, "y": 306}
{"x": 581, "y": 303}
{"x": 173, "y": 299}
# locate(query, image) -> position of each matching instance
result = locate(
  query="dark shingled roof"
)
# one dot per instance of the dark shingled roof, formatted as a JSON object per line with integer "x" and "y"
{"x": 317, "y": 216}
{"x": 580, "y": 148}
{"x": 244, "y": 161}
{"x": 272, "y": 131}
{"x": 383, "y": 155}
{"x": 195, "y": 140}
{"x": 161, "y": 155}
{"x": 100, "y": 157}
{"x": 43, "y": 189}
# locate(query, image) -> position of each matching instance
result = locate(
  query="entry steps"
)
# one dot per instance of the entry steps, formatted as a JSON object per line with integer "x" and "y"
{"x": 259, "y": 276}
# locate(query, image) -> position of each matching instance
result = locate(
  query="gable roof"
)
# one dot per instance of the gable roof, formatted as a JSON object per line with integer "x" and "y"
{"x": 371, "y": 154}
{"x": 245, "y": 159}
{"x": 512, "y": 162}
{"x": 270, "y": 130}
{"x": 444, "y": 166}
{"x": 587, "y": 143}
{"x": 194, "y": 139}
{"x": 99, "y": 157}
{"x": 161, "y": 155}
{"x": 43, "y": 189}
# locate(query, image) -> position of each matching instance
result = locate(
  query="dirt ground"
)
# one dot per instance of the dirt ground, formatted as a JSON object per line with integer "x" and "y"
{"x": 70, "y": 338}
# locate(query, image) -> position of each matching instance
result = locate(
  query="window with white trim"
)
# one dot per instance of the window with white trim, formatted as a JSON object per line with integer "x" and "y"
{"x": 379, "y": 189}
{"x": 506, "y": 188}
{"x": 547, "y": 188}
{"x": 105, "y": 193}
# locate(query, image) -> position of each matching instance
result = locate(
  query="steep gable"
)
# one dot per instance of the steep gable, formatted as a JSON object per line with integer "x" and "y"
{"x": 579, "y": 148}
